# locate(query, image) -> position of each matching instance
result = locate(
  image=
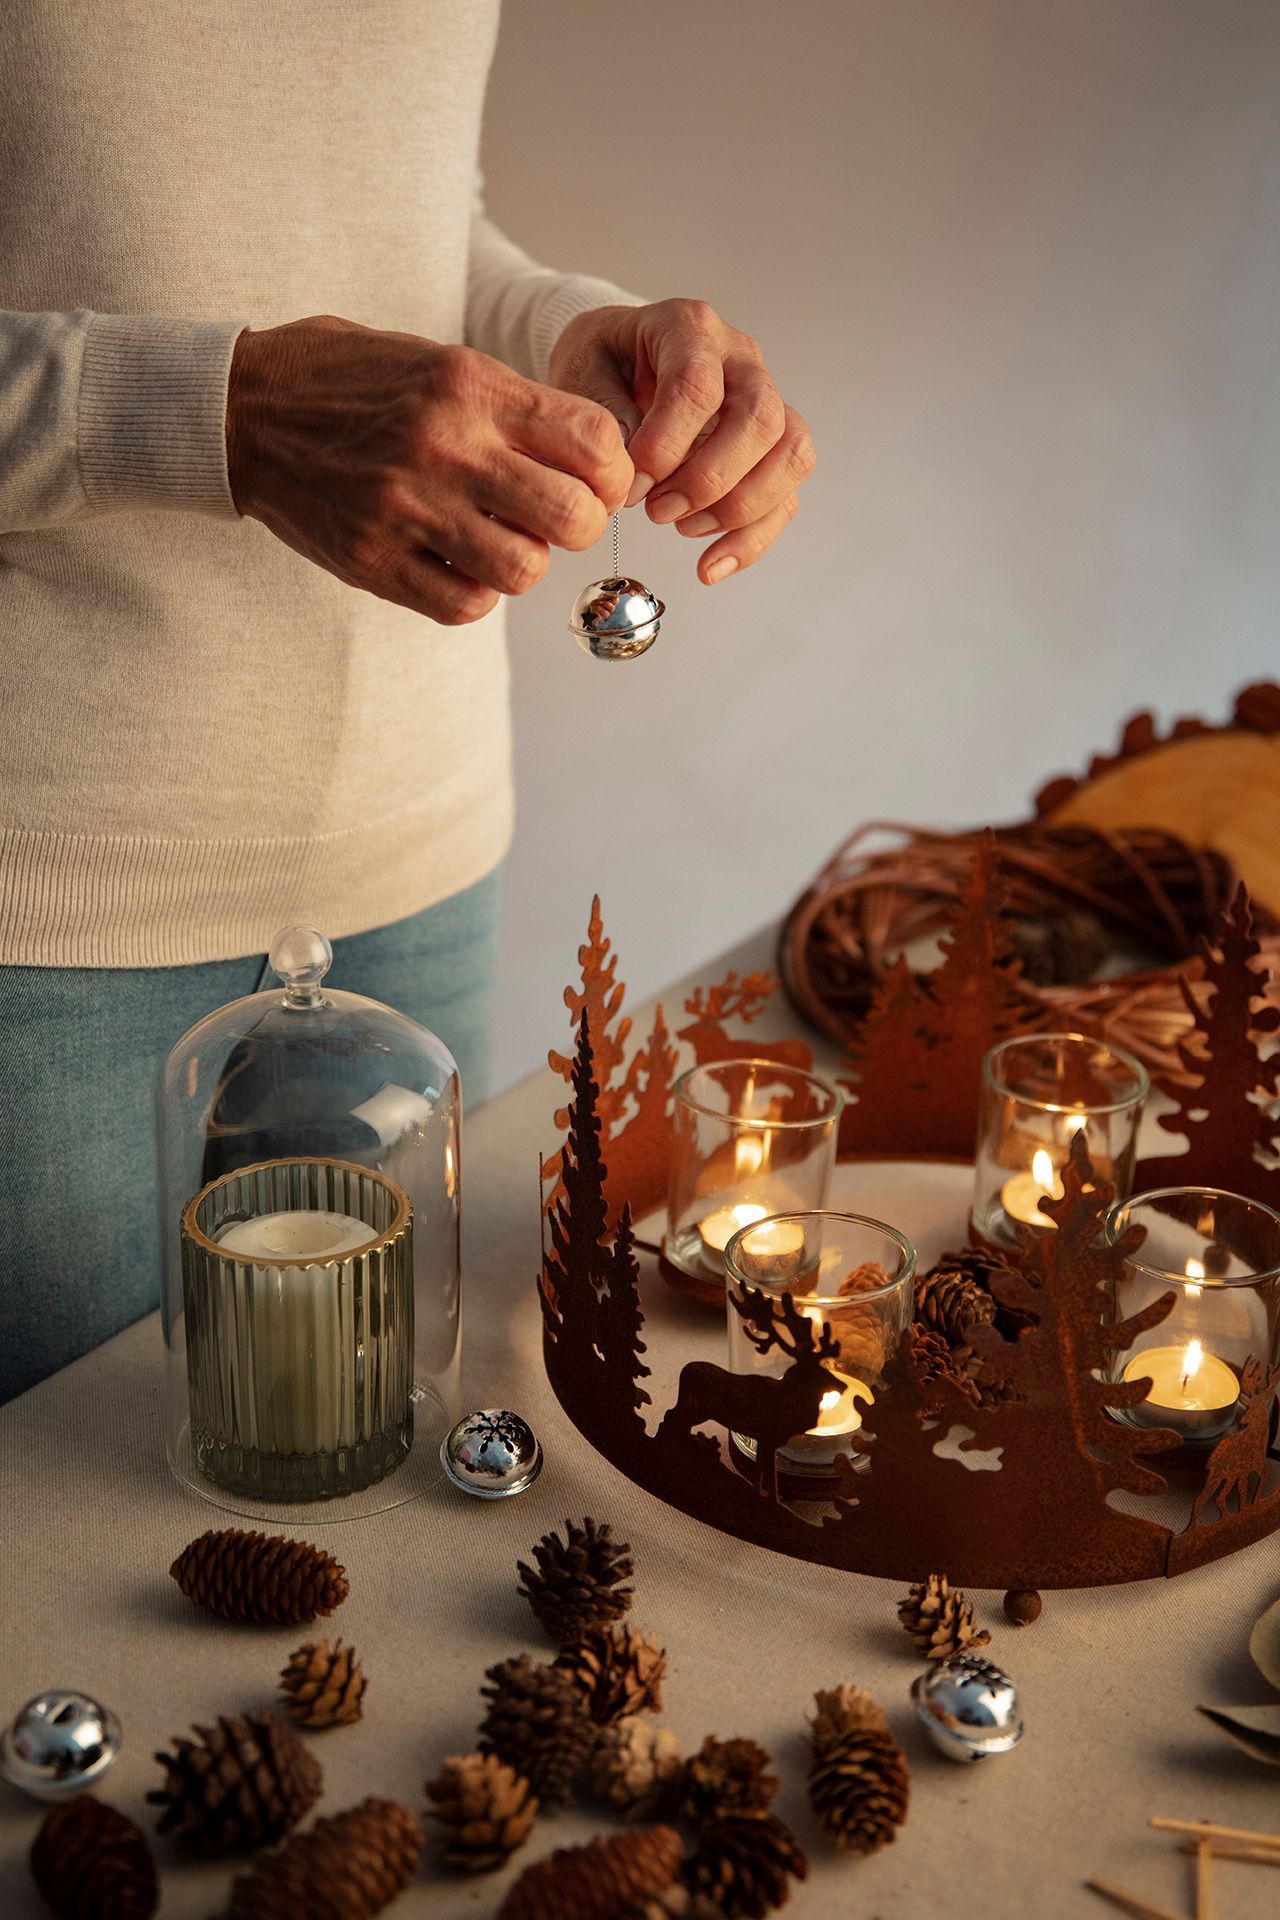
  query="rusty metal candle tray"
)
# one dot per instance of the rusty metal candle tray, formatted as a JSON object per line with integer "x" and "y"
{"x": 1074, "y": 1497}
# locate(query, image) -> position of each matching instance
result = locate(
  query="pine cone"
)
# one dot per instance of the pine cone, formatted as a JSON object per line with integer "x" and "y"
{"x": 938, "y": 1621}
{"x": 537, "y": 1723}
{"x": 951, "y": 1299}
{"x": 726, "y": 1776}
{"x": 323, "y": 1687}
{"x": 858, "y": 1782}
{"x": 634, "y": 1766}
{"x": 617, "y": 1671}
{"x": 930, "y": 1354}
{"x": 743, "y": 1863}
{"x": 90, "y": 1863}
{"x": 602, "y": 1881}
{"x": 248, "y": 1576}
{"x": 575, "y": 1585}
{"x": 240, "y": 1784}
{"x": 981, "y": 1379}
{"x": 485, "y": 1809}
{"x": 1064, "y": 950}
{"x": 347, "y": 1867}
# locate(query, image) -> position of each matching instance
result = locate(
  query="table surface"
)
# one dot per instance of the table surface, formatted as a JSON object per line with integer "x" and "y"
{"x": 1109, "y": 1678}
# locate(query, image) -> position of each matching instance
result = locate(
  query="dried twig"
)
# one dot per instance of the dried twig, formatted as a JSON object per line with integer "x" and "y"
{"x": 1131, "y": 1902}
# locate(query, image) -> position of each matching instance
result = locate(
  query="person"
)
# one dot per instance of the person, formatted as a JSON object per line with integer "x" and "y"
{"x": 283, "y": 419}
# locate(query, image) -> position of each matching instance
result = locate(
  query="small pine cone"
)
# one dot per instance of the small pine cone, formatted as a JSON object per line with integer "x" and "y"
{"x": 981, "y": 1379}
{"x": 269, "y": 1581}
{"x": 617, "y": 1671}
{"x": 240, "y": 1784}
{"x": 635, "y": 1766}
{"x": 602, "y": 1881}
{"x": 91, "y": 1863}
{"x": 576, "y": 1583}
{"x": 938, "y": 1621}
{"x": 485, "y": 1808}
{"x": 347, "y": 1867}
{"x": 537, "y": 1723}
{"x": 858, "y": 1781}
{"x": 930, "y": 1354}
{"x": 323, "y": 1687}
{"x": 726, "y": 1776}
{"x": 743, "y": 1864}
{"x": 951, "y": 1300}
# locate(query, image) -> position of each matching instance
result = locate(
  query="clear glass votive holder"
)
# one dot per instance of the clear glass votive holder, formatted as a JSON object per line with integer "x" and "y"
{"x": 1219, "y": 1253}
{"x": 749, "y": 1138}
{"x": 850, "y": 1281}
{"x": 1038, "y": 1092}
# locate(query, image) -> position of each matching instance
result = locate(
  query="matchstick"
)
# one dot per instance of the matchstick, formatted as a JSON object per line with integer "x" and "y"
{"x": 1261, "y": 1856}
{"x": 1204, "y": 1890}
{"x": 1131, "y": 1903}
{"x": 1205, "y": 1830}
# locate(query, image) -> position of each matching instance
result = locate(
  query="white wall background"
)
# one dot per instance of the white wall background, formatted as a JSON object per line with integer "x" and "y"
{"x": 1017, "y": 262}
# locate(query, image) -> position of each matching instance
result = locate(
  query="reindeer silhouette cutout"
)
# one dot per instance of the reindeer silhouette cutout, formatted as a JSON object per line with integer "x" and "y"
{"x": 1237, "y": 1466}
{"x": 771, "y": 1408}
{"x": 742, "y": 998}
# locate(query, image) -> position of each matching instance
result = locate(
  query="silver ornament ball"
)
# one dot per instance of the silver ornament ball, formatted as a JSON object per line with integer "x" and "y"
{"x": 616, "y": 619}
{"x": 492, "y": 1454}
{"x": 969, "y": 1708}
{"x": 60, "y": 1743}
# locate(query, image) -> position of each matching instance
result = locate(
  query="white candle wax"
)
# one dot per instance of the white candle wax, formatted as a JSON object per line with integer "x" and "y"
{"x": 774, "y": 1252}
{"x": 301, "y": 1336}
{"x": 718, "y": 1228}
{"x": 1191, "y": 1390}
{"x": 1021, "y": 1194}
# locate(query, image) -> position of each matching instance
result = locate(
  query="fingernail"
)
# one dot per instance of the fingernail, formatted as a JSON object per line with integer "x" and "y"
{"x": 639, "y": 487}
{"x": 721, "y": 568}
{"x": 697, "y": 523}
{"x": 668, "y": 507}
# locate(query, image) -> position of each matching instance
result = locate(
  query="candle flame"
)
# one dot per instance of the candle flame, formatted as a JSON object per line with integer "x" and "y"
{"x": 748, "y": 1153}
{"x": 830, "y": 1400}
{"x": 1042, "y": 1169}
{"x": 1076, "y": 1123}
{"x": 1195, "y": 1273}
{"x": 1192, "y": 1360}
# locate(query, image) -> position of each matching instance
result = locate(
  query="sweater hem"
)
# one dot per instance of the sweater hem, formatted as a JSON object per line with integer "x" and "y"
{"x": 100, "y": 901}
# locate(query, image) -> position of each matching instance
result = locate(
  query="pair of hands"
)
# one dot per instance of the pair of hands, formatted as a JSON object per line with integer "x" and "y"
{"x": 436, "y": 477}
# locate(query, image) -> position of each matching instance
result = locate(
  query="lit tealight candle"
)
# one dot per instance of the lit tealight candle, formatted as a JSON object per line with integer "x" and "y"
{"x": 1191, "y": 1390}
{"x": 839, "y": 1412}
{"x": 1021, "y": 1194}
{"x": 774, "y": 1251}
{"x": 718, "y": 1229}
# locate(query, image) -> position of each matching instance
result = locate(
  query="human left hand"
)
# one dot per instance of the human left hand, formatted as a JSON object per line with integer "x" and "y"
{"x": 715, "y": 447}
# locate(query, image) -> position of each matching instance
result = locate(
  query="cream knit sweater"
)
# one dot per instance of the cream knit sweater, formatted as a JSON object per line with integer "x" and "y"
{"x": 203, "y": 737}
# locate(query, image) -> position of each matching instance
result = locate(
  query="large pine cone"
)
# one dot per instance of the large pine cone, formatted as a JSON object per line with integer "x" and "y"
{"x": 951, "y": 1298}
{"x": 617, "y": 1671}
{"x": 270, "y": 1581}
{"x": 858, "y": 1782}
{"x": 726, "y": 1776}
{"x": 91, "y": 1863}
{"x": 634, "y": 1766}
{"x": 743, "y": 1864}
{"x": 323, "y": 1686}
{"x": 345, "y": 1868}
{"x": 576, "y": 1584}
{"x": 605, "y": 1880}
{"x": 1061, "y": 951}
{"x": 240, "y": 1784}
{"x": 938, "y": 1621}
{"x": 485, "y": 1810}
{"x": 537, "y": 1723}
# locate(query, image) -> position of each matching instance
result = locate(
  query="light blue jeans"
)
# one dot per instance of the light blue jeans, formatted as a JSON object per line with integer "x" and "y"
{"x": 80, "y": 1049}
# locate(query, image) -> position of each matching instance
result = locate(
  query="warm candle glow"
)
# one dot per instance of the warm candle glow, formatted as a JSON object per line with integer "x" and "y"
{"x": 1191, "y": 1390}
{"x": 1195, "y": 1274}
{"x": 1192, "y": 1360}
{"x": 1076, "y": 1123}
{"x": 719, "y": 1227}
{"x": 1021, "y": 1194}
{"x": 1042, "y": 1169}
{"x": 750, "y": 1152}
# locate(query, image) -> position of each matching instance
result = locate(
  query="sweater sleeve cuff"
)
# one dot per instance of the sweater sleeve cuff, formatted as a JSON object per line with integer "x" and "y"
{"x": 571, "y": 295}
{"x": 152, "y": 417}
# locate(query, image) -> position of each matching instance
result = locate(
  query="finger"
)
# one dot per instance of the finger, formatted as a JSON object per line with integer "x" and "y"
{"x": 592, "y": 371}
{"x": 752, "y": 421}
{"x": 421, "y": 580}
{"x": 550, "y": 505}
{"x": 576, "y": 437}
{"x": 782, "y": 470}
{"x": 688, "y": 388}
{"x": 481, "y": 548}
{"x": 744, "y": 547}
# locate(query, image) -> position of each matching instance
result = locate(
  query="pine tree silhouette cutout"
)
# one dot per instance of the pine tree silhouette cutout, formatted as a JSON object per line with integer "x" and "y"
{"x": 619, "y": 1320}
{"x": 923, "y": 1042}
{"x": 639, "y": 1154}
{"x": 600, "y": 997}
{"x": 1226, "y": 1118}
{"x": 571, "y": 1286}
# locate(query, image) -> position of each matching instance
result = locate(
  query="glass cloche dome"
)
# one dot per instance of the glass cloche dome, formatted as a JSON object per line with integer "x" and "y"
{"x": 309, "y": 1183}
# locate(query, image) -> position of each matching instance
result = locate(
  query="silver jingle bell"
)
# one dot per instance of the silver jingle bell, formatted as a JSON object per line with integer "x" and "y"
{"x": 968, "y": 1707}
{"x": 492, "y": 1454}
{"x": 616, "y": 619}
{"x": 60, "y": 1743}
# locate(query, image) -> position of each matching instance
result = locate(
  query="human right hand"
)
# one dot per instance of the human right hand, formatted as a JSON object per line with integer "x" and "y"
{"x": 430, "y": 475}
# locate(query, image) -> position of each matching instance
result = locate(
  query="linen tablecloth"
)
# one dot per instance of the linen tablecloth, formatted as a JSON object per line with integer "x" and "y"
{"x": 1109, "y": 1678}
